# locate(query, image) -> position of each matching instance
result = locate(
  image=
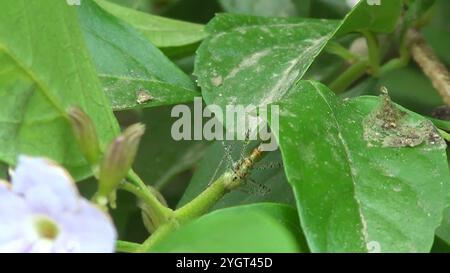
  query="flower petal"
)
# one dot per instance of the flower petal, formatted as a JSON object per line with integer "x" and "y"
{"x": 42, "y": 246}
{"x": 13, "y": 220}
{"x": 87, "y": 230}
{"x": 46, "y": 187}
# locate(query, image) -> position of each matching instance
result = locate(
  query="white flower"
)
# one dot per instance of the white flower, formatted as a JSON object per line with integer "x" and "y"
{"x": 41, "y": 211}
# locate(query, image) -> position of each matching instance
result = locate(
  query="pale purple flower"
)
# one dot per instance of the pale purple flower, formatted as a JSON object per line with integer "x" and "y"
{"x": 41, "y": 211}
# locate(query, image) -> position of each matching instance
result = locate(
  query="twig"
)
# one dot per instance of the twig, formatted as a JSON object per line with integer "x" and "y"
{"x": 433, "y": 68}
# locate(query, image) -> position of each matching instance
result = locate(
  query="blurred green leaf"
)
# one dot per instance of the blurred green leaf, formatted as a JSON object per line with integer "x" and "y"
{"x": 134, "y": 72}
{"x": 360, "y": 186}
{"x": 160, "y": 157}
{"x": 244, "y": 229}
{"x": 325, "y": 68}
{"x": 437, "y": 33}
{"x": 214, "y": 164}
{"x": 410, "y": 88}
{"x": 377, "y": 18}
{"x": 440, "y": 246}
{"x": 199, "y": 11}
{"x": 303, "y": 7}
{"x": 407, "y": 86}
{"x": 3, "y": 171}
{"x": 283, "y": 8}
{"x": 329, "y": 9}
{"x": 45, "y": 70}
{"x": 167, "y": 34}
{"x": 443, "y": 231}
{"x": 416, "y": 9}
{"x": 142, "y": 5}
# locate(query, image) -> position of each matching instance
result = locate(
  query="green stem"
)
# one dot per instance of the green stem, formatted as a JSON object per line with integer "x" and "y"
{"x": 444, "y": 134}
{"x": 196, "y": 208}
{"x": 156, "y": 236}
{"x": 205, "y": 201}
{"x": 441, "y": 124}
{"x": 127, "y": 247}
{"x": 338, "y": 50}
{"x": 138, "y": 188}
{"x": 135, "y": 179}
{"x": 374, "y": 52}
{"x": 393, "y": 65}
{"x": 353, "y": 73}
{"x": 399, "y": 62}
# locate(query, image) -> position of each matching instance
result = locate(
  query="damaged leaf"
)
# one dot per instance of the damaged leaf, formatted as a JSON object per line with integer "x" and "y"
{"x": 355, "y": 197}
{"x": 390, "y": 126}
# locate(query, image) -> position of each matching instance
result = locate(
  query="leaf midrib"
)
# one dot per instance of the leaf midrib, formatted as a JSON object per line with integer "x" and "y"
{"x": 348, "y": 161}
{"x": 42, "y": 87}
{"x": 249, "y": 27}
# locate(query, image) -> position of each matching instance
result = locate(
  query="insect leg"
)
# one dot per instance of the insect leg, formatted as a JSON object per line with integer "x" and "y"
{"x": 268, "y": 165}
{"x": 257, "y": 188}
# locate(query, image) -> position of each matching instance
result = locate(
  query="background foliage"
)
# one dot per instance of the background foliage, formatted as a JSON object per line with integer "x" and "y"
{"x": 341, "y": 188}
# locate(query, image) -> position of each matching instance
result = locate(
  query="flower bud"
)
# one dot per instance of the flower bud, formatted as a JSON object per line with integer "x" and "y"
{"x": 85, "y": 135}
{"x": 118, "y": 159}
{"x": 149, "y": 217}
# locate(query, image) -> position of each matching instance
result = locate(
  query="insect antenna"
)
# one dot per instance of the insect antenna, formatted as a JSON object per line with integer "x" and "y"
{"x": 225, "y": 157}
{"x": 228, "y": 150}
{"x": 214, "y": 176}
{"x": 245, "y": 145}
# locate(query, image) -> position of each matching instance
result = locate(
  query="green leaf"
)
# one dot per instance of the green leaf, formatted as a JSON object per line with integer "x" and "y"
{"x": 199, "y": 11}
{"x": 214, "y": 163}
{"x": 255, "y": 60}
{"x": 377, "y": 18}
{"x": 142, "y": 5}
{"x": 366, "y": 173}
{"x": 45, "y": 70}
{"x": 303, "y": 7}
{"x": 330, "y": 9}
{"x": 408, "y": 86}
{"x": 417, "y": 9}
{"x": 437, "y": 32}
{"x": 443, "y": 231}
{"x": 134, "y": 73}
{"x": 412, "y": 89}
{"x": 160, "y": 157}
{"x": 283, "y": 8}
{"x": 252, "y": 228}
{"x": 164, "y": 33}
{"x": 440, "y": 246}
{"x": 3, "y": 171}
